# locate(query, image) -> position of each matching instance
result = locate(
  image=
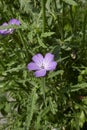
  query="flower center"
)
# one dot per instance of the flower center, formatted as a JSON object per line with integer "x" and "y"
{"x": 42, "y": 66}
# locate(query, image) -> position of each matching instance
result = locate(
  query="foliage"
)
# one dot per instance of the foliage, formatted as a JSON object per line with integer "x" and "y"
{"x": 59, "y": 100}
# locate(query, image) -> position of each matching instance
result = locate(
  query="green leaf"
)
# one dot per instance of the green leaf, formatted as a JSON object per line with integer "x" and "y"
{"x": 80, "y": 78}
{"x": 31, "y": 107}
{"x": 25, "y": 5}
{"x": 41, "y": 115}
{"x": 70, "y": 2}
{"x": 53, "y": 74}
{"x": 61, "y": 59}
{"x": 47, "y": 34}
{"x": 53, "y": 106}
{"x": 81, "y": 119}
{"x": 84, "y": 100}
{"x": 7, "y": 107}
{"x": 77, "y": 87}
{"x": 1, "y": 106}
{"x": 18, "y": 68}
{"x": 41, "y": 43}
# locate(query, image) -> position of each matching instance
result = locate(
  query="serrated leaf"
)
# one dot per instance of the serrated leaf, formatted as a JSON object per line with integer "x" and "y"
{"x": 70, "y": 2}
{"x": 47, "y": 34}
{"x": 53, "y": 106}
{"x": 31, "y": 108}
{"x": 41, "y": 114}
{"x": 55, "y": 73}
{"x": 41, "y": 43}
{"x": 18, "y": 68}
{"x": 77, "y": 87}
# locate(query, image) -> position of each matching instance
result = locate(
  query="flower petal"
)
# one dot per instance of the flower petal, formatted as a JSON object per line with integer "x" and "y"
{"x": 38, "y": 59}
{"x": 51, "y": 66}
{"x": 4, "y": 24}
{"x": 40, "y": 73}
{"x": 14, "y": 21}
{"x": 4, "y": 31}
{"x": 48, "y": 57}
{"x": 32, "y": 66}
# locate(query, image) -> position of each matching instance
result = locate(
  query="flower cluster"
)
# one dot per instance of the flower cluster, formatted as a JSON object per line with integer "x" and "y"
{"x": 42, "y": 64}
{"x": 9, "y": 31}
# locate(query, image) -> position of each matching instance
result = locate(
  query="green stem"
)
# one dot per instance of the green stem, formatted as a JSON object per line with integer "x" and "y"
{"x": 84, "y": 26}
{"x": 57, "y": 23}
{"x": 43, "y": 14}
{"x": 72, "y": 18}
{"x": 44, "y": 90}
{"x": 55, "y": 5}
{"x": 63, "y": 15}
{"x": 83, "y": 44}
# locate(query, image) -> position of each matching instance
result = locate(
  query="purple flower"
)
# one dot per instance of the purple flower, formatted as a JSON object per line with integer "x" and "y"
{"x": 42, "y": 64}
{"x": 14, "y": 21}
{"x": 9, "y": 31}
{"x": 4, "y": 31}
